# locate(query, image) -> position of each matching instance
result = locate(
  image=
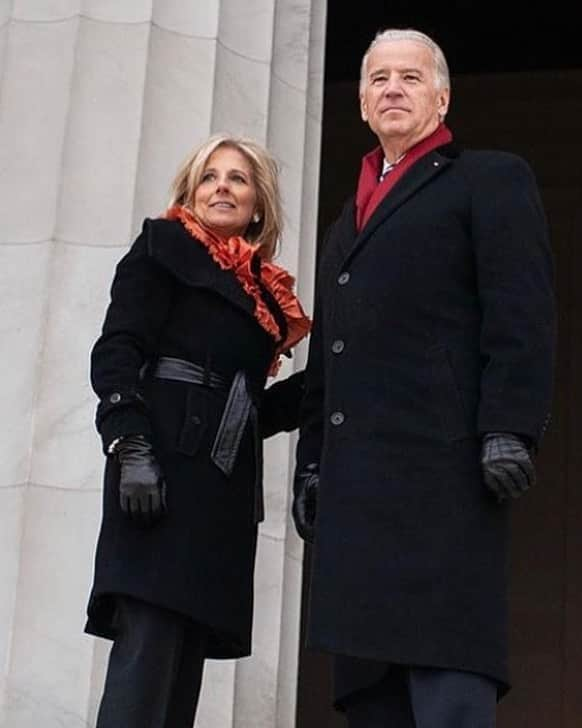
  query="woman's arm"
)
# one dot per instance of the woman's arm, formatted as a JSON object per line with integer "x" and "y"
{"x": 281, "y": 404}
{"x": 140, "y": 302}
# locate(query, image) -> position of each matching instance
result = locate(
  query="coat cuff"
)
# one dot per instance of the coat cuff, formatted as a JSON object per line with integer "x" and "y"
{"x": 120, "y": 414}
{"x": 532, "y": 435}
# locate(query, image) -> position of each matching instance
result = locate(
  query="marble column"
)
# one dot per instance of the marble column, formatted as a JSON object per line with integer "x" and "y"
{"x": 99, "y": 102}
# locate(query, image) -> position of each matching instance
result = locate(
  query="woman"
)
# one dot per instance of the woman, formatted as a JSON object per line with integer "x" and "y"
{"x": 199, "y": 316}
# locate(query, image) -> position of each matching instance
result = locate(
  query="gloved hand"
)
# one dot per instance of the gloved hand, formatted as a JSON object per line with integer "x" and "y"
{"x": 507, "y": 466}
{"x": 305, "y": 487}
{"x": 142, "y": 490}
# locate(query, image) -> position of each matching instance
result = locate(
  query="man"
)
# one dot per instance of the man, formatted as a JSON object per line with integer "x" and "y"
{"x": 428, "y": 389}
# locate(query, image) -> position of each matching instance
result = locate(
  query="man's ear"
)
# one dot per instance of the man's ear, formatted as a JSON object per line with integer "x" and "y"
{"x": 443, "y": 102}
{"x": 363, "y": 109}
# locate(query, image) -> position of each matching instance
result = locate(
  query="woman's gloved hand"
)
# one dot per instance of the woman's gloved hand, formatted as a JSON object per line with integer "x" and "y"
{"x": 304, "y": 510}
{"x": 142, "y": 490}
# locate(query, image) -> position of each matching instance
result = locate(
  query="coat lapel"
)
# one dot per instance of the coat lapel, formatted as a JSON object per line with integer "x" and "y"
{"x": 423, "y": 172}
{"x": 189, "y": 261}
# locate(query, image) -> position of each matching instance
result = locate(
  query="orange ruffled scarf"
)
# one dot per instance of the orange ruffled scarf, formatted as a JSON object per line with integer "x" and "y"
{"x": 236, "y": 254}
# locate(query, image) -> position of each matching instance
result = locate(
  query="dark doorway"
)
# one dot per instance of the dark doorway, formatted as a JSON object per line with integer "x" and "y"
{"x": 516, "y": 86}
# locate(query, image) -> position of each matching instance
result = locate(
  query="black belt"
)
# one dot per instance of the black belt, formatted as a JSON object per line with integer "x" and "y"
{"x": 238, "y": 410}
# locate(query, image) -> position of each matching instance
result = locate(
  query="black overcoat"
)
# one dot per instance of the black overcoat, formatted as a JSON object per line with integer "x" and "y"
{"x": 432, "y": 326}
{"x": 169, "y": 298}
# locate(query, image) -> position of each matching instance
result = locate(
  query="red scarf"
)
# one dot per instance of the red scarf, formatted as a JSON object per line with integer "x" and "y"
{"x": 370, "y": 193}
{"x": 236, "y": 254}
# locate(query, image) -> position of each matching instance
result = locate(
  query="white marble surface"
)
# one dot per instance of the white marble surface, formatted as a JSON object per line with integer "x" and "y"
{"x": 96, "y": 677}
{"x": 4, "y": 25}
{"x": 177, "y": 110}
{"x": 257, "y": 677}
{"x": 276, "y": 486}
{"x": 103, "y": 131}
{"x": 246, "y": 28}
{"x": 289, "y": 635}
{"x": 66, "y": 448}
{"x": 241, "y": 95}
{"x": 197, "y": 19}
{"x": 288, "y": 142}
{"x": 23, "y": 293}
{"x": 217, "y": 703}
{"x": 5, "y": 11}
{"x": 291, "y": 33}
{"x": 11, "y": 510}
{"x": 114, "y": 11}
{"x": 38, "y": 62}
{"x": 44, "y": 10}
{"x": 49, "y": 659}
{"x": 316, "y": 62}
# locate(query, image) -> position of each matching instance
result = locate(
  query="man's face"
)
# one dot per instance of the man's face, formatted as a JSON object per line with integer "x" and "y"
{"x": 400, "y": 99}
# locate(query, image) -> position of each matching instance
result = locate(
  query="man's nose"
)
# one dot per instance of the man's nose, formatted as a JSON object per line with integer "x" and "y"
{"x": 392, "y": 86}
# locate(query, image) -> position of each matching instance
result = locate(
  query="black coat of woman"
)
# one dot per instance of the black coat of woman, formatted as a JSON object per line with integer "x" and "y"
{"x": 171, "y": 297}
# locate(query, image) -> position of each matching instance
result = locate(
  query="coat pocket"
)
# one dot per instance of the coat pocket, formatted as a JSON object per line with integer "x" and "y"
{"x": 194, "y": 425}
{"x": 449, "y": 400}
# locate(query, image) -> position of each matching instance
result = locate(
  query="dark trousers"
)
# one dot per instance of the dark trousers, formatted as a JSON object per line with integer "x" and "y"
{"x": 415, "y": 697}
{"x": 155, "y": 669}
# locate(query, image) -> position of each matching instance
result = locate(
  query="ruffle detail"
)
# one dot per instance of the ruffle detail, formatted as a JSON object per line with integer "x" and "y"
{"x": 236, "y": 254}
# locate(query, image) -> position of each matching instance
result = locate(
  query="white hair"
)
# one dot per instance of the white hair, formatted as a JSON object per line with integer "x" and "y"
{"x": 442, "y": 76}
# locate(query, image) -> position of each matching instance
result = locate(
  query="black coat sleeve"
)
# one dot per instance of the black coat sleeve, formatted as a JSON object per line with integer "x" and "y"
{"x": 281, "y": 405}
{"x": 515, "y": 277}
{"x": 141, "y": 296}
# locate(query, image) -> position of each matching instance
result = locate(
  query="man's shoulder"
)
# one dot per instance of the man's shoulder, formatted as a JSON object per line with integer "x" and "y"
{"x": 493, "y": 167}
{"x": 488, "y": 159}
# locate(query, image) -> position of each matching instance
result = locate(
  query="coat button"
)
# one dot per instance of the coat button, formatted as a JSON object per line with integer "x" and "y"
{"x": 337, "y": 418}
{"x": 338, "y": 346}
{"x": 115, "y": 398}
{"x": 343, "y": 278}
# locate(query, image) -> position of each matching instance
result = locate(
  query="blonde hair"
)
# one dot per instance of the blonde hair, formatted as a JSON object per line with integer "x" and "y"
{"x": 442, "y": 76}
{"x": 267, "y": 231}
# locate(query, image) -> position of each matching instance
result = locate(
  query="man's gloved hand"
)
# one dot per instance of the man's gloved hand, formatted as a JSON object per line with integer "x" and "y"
{"x": 305, "y": 487}
{"x": 142, "y": 490}
{"x": 507, "y": 466}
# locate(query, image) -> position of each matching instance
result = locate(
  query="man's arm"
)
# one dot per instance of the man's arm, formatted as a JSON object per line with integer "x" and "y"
{"x": 515, "y": 277}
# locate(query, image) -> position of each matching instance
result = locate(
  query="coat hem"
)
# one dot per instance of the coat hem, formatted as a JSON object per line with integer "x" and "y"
{"x": 412, "y": 660}
{"x": 222, "y": 644}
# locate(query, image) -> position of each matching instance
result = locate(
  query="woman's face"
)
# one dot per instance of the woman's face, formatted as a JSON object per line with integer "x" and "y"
{"x": 226, "y": 198}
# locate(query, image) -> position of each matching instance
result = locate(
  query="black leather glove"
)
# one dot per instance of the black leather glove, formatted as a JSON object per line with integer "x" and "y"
{"x": 507, "y": 465}
{"x": 305, "y": 487}
{"x": 142, "y": 490}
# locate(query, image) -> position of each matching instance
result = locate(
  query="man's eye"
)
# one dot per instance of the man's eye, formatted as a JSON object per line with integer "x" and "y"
{"x": 378, "y": 80}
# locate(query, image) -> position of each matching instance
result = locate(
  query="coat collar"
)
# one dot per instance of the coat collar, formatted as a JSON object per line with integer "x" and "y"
{"x": 423, "y": 172}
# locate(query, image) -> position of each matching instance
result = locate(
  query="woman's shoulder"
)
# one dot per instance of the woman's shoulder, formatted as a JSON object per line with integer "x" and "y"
{"x": 157, "y": 230}
{"x": 169, "y": 244}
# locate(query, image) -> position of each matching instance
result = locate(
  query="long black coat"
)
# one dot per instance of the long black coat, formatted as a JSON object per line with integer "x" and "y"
{"x": 432, "y": 326}
{"x": 169, "y": 298}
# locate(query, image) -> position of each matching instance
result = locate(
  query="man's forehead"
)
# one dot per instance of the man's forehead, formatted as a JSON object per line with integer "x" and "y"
{"x": 400, "y": 53}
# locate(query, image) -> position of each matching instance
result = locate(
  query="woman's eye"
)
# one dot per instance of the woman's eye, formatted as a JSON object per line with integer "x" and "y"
{"x": 207, "y": 176}
{"x": 238, "y": 178}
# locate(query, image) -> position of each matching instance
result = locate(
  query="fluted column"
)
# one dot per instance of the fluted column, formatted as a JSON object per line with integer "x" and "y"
{"x": 99, "y": 102}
